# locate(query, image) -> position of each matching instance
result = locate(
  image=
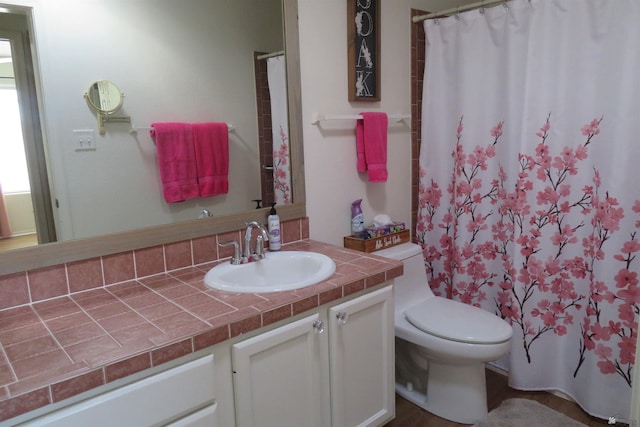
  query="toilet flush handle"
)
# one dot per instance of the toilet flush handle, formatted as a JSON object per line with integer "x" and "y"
{"x": 342, "y": 317}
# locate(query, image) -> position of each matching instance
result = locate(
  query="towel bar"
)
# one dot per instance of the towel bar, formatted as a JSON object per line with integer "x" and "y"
{"x": 317, "y": 118}
{"x": 135, "y": 129}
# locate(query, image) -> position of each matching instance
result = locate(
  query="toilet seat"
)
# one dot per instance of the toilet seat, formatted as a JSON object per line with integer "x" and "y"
{"x": 456, "y": 321}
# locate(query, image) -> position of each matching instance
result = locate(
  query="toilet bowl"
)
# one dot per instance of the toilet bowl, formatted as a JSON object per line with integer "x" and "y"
{"x": 441, "y": 344}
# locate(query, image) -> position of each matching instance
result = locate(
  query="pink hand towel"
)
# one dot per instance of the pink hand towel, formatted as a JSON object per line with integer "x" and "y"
{"x": 362, "y": 162}
{"x": 371, "y": 145}
{"x": 176, "y": 161}
{"x": 211, "y": 141}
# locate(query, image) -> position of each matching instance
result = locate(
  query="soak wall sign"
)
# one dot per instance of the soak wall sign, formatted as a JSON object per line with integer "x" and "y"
{"x": 364, "y": 49}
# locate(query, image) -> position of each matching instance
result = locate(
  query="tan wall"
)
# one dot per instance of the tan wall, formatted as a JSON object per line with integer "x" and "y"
{"x": 20, "y": 213}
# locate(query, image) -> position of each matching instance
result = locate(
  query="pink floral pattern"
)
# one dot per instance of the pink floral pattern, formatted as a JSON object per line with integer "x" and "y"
{"x": 281, "y": 175}
{"x": 529, "y": 242}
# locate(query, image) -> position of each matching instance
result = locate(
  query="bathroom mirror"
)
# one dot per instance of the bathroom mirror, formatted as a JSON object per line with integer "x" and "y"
{"x": 104, "y": 97}
{"x": 145, "y": 236}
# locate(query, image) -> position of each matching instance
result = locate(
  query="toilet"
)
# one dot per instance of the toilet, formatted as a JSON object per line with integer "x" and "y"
{"x": 441, "y": 344}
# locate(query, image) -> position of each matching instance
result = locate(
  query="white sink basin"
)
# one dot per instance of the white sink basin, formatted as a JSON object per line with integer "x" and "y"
{"x": 278, "y": 271}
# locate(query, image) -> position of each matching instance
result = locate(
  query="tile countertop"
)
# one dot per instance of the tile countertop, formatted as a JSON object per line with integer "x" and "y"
{"x": 55, "y": 349}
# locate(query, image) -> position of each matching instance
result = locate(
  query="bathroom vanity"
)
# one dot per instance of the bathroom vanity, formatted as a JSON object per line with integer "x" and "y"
{"x": 318, "y": 356}
{"x": 332, "y": 367}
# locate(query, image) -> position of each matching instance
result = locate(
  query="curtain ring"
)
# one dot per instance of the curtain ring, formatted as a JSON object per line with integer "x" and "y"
{"x": 457, "y": 14}
{"x": 481, "y": 10}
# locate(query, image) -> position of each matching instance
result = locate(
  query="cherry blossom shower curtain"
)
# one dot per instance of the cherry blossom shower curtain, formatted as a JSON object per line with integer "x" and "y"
{"x": 277, "y": 78}
{"x": 529, "y": 197}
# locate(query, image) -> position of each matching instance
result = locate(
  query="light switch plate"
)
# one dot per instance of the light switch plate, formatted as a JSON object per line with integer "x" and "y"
{"x": 84, "y": 139}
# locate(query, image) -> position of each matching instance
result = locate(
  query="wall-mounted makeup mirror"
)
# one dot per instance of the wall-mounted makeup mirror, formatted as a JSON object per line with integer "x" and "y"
{"x": 104, "y": 96}
{"x": 105, "y": 99}
{"x": 176, "y": 89}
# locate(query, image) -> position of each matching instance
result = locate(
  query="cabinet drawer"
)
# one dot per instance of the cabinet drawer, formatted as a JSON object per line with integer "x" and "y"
{"x": 150, "y": 401}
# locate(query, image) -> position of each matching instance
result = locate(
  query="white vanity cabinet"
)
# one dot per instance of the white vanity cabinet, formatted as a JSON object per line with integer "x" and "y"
{"x": 185, "y": 396}
{"x": 332, "y": 368}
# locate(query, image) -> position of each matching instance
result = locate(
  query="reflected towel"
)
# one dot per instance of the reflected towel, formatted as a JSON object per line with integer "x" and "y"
{"x": 371, "y": 145}
{"x": 211, "y": 142}
{"x": 176, "y": 161}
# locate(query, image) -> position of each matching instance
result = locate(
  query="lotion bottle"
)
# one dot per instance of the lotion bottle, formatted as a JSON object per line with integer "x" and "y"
{"x": 273, "y": 222}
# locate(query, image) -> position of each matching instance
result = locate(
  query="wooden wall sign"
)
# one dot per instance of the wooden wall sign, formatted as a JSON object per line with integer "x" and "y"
{"x": 364, "y": 49}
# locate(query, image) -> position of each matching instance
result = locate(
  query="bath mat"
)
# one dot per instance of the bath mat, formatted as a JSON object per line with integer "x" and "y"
{"x": 526, "y": 413}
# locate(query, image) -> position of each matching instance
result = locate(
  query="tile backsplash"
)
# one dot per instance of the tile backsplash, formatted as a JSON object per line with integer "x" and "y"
{"x": 31, "y": 286}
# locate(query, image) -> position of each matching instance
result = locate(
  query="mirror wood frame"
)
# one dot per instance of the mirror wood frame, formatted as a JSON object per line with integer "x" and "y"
{"x": 50, "y": 254}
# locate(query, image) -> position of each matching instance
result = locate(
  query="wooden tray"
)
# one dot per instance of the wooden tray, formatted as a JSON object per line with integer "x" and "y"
{"x": 376, "y": 243}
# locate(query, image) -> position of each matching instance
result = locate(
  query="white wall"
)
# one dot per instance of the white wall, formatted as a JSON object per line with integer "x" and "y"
{"x": 332, "y": 181}
{"x": 20, "y": 209}
{"x": 166, "y": 57}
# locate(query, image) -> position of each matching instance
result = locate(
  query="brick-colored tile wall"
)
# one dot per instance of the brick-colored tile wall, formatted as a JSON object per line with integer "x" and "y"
{"x": 417, "y": 77}
{"x": 27, "y": 287}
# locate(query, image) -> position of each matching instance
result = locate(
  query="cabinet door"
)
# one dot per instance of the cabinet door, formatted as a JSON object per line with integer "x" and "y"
{"x": 205, "y": 417}
{"x": 281, "y": 376}
{"x": 361, "y": 342}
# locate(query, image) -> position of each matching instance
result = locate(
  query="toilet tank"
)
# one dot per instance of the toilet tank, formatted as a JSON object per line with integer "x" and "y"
{"x": 413, "y": 286}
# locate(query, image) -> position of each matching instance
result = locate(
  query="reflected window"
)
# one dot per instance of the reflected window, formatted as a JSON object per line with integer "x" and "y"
{"x": 14, "y": 176}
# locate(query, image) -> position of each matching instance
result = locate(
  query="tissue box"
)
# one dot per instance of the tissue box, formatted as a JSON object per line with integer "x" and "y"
{"x": 376, "y": 243}
{"x": 372, "y": 232}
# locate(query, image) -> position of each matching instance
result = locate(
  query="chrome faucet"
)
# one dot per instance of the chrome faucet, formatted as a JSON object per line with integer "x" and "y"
{"x": 236, "y": 260}
{"x": 258, "y": 254}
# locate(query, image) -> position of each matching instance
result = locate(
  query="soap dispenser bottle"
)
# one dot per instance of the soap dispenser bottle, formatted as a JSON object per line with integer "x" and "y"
{"x": 273, "y": 222}
{"x": 357, "y": 220}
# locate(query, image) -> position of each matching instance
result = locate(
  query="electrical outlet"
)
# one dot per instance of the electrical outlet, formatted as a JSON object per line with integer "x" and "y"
{"x": 84, "y": 139}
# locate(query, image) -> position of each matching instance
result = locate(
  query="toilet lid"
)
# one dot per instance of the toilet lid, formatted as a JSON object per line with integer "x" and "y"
{"x": 457, "y": 321}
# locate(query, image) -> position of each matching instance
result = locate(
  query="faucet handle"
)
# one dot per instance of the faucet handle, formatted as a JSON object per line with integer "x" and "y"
{"x": 236, "y": 260}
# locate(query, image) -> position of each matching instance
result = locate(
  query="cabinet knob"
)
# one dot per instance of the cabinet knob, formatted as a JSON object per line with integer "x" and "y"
{"x": 318, "y": 325}
{"x": 342, "y": 317}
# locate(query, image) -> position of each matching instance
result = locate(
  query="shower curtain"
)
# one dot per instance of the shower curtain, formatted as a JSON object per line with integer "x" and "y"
{"x": 529, "y": 204}
{"x": 277, "y": 78}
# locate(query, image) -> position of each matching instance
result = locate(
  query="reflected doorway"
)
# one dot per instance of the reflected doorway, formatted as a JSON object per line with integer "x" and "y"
{"x": 17, "y": 221}
{"x": 265, "y": 135}
{"x": 26, "y": 212}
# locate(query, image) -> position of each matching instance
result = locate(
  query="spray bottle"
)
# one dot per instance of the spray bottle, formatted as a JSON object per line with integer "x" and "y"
{"x": 273, "y": 222}
{"x": 357, "y": 220}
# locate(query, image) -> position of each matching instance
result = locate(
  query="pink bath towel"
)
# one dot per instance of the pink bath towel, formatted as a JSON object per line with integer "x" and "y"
{"x": 211, "y": 141}
{"x": 371, "y": 145}
{"x": 176, "y": 161}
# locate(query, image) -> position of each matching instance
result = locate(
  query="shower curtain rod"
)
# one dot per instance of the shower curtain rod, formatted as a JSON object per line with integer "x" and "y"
{"x": 470, "y": 6}
{"x": 269, "y": 55}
